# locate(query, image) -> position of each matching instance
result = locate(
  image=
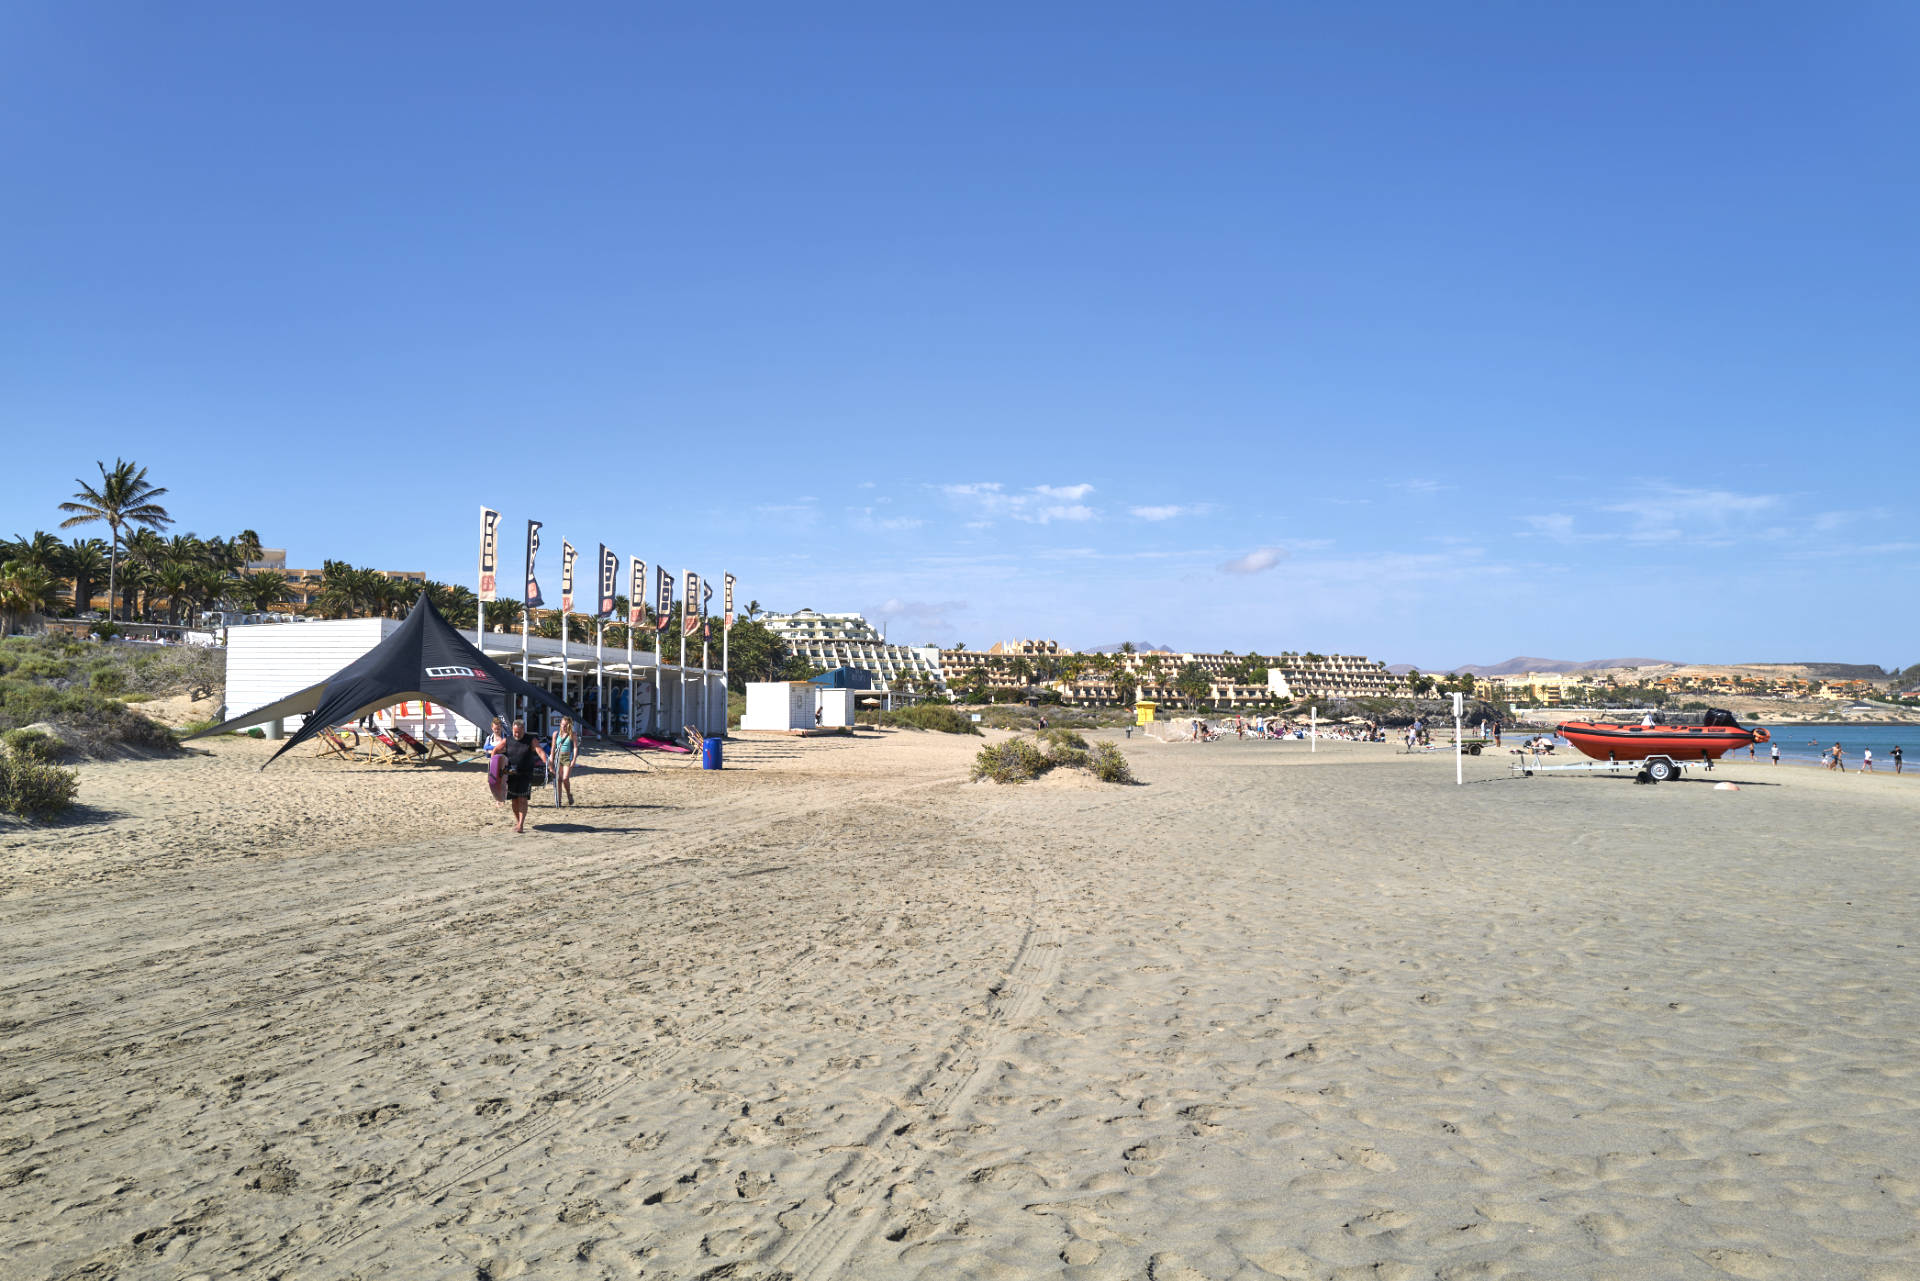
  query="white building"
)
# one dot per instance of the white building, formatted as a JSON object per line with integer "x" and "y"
{"x": 848, "y": 640}
{"x": 265, "y": 664}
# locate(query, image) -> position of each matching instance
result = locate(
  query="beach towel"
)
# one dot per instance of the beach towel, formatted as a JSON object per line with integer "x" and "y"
{"x": 661, "y": 745}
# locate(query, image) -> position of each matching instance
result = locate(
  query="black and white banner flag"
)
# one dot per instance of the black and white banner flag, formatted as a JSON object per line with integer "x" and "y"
{"x": 489, "y": 553}
{"x": 534, "y": 599}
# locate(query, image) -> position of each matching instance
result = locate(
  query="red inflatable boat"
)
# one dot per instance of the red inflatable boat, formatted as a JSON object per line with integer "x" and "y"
{"x": 1686, "y": 736}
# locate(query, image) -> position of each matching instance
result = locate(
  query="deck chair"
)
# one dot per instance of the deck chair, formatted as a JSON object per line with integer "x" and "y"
{"x": 421, "y": 752}
{"x": 439, "y": 749}
{"x": 387, "y": 751}
{"x": 331, "y": 744}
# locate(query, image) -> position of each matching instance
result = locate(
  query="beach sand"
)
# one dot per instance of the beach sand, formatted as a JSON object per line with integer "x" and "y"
{"x": 835, "y": 1011}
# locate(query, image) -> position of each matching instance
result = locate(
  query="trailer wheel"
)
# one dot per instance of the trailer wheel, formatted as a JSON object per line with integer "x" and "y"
{"x": 1662, "y": 771}
{"x": 1474, "y": 750}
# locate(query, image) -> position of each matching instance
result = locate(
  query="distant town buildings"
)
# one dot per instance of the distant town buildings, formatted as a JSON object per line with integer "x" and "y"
{"x": 828, "y": 641}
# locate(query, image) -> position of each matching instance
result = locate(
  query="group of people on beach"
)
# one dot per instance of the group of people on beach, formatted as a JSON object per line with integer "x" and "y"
{"x": 513, "y": 756}
{"x": 1836, "y": 758}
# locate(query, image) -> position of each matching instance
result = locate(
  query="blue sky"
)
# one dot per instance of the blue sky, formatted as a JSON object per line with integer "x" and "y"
{"x": 1435, "y": 333}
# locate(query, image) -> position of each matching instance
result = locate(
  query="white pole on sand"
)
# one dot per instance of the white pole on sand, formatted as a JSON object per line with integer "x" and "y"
{"x": 682, "y": 629}
{"x": 524, "y": 613}
{"x": 630, "y": 729}
{"x": 1313, "y": 719}
{"x": 600, "y": 676}
{"x": 564, "y": 687}
{"x": 706, "y": 680}
{"x": 726, "y": 673}
{"x": 1459, "y": 702}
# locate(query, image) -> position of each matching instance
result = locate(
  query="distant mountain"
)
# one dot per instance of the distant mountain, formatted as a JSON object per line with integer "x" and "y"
{"x": 1115, "y": 648}
{"x": 1514, "y": 666}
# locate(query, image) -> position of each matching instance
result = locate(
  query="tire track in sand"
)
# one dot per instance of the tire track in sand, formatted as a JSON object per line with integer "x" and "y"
{"x": 889, "y": 1150}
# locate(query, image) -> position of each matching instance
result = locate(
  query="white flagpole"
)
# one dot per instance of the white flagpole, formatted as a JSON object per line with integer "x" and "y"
{"x": 706, "y": 675}
{"x": 564, "y": 671}
{"x": 682, "y": 621}
{"x": 600, "y": 675}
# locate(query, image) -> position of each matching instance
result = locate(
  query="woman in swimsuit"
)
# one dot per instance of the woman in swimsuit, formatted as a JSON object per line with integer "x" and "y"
{"x": 564, "y": 752}
{"x": 495, "y": 744}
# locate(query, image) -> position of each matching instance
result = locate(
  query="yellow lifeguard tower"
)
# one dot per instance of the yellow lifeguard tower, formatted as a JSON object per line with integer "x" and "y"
{"x": 1143, "y": 711}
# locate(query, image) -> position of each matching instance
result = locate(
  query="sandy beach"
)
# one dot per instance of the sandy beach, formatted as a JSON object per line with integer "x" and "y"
{"x": 837, "y": 1012}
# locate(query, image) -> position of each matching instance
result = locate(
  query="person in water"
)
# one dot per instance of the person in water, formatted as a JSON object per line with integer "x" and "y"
{"x": 566, "y": 750}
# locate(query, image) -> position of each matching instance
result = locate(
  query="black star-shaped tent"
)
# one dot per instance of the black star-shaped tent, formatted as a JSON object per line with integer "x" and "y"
{"x": 427, "y": 660}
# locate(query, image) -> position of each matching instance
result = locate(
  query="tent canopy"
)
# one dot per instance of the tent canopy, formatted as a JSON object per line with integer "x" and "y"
{"x": 427, "y": 660}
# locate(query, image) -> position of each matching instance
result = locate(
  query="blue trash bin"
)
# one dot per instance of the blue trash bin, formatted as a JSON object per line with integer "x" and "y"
{"x": 710, "y": 753}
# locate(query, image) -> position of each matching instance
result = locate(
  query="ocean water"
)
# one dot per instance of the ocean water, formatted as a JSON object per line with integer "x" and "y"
{"x": 1806, "y": 742}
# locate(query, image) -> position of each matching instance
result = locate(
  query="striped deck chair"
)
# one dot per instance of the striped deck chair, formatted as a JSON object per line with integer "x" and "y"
{"x": 332, "y": 744}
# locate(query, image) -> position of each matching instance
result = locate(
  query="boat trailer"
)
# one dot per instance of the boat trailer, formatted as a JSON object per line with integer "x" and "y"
{"x": 1652, "y": 769}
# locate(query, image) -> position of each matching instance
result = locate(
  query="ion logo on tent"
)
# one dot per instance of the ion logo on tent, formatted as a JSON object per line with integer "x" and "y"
{"x": 452, "y": 673}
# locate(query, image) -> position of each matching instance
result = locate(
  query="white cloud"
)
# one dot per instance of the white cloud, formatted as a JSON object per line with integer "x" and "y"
{"x": 865, "y": 518}
{"x": 1041, "y": 505}
{"x": 922, "y": 615}
{"x": 1421, "y": 485}
{"x": 1170, "y": 511}
{"x": 1665, "y": 513}
{"x": 1256, "y": 561}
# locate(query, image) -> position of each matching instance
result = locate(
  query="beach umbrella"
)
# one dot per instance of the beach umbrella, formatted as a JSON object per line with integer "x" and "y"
{"x": 424, "y": 660}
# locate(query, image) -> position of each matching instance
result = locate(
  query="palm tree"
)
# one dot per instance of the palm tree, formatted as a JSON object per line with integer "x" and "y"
{"x": 247, "y": 544}
{"x": 86, "y": 565}
{"x": 260, "y": 591}
{"x": 26, "y": 589}
{"x": 124, "y": 498}
{"x": 754, "y": 608}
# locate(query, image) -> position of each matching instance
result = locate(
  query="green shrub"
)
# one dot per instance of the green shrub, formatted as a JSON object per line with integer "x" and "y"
{"x": 1109, "y": 764}
{"x": 103, "y": 724}
{"x": 107, "y": 679}
{"x": 933, "y": 716}
{"x": 34, "y": 745}
{"x": 1064, "y": 738}
{"x": 34, "y": 789}
{"x": 1014, "y": 761}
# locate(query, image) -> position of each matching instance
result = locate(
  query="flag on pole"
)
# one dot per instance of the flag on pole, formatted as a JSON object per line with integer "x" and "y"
{"x": 534, "y": 599}
{"x": 728, "y": 599}
{"x": 706, "y": 595}
{"x": 489, "y": 553}
{"x": 636, "y": 592}
{"x": 567, "y": 555}
{"x": 663, "y": 599}
{"x": 689, "y": 602}
{"x": 609, "y": 579}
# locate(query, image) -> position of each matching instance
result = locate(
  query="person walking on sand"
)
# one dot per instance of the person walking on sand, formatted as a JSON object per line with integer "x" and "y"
{"x": 1775, "y": 750}
{"x": 495, "y": 744}
{"x": 522, "y": 753}
{"x": 565, "y": 752}
{"x": 1896, "y": 758}
{"x": 1866, "y": 761}
{"x": 1837, "y": 759}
